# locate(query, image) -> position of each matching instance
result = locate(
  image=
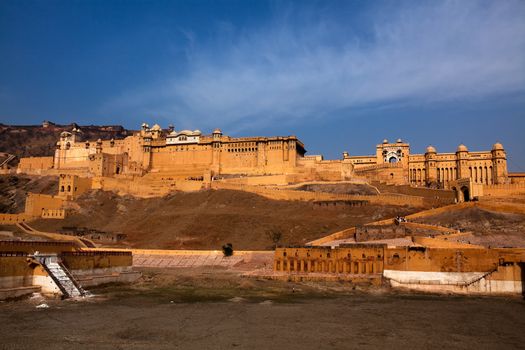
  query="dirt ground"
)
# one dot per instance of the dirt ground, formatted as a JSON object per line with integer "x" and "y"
{"x": 209, "y": 219}
{"x": 488, "y": 228}
{"x": 203, "y": 309}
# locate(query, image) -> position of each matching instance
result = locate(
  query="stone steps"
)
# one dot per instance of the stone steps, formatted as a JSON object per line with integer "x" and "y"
{"x": 186, "y": 260}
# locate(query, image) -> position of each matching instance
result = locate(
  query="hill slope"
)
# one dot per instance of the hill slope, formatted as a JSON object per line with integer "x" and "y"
{"x": 37, "y": 141}
{"x": 208, "y": 219}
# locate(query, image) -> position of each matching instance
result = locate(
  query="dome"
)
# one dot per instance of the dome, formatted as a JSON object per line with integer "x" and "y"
{"x": 196, "y": 132}
{"x": 156, "y": 127}
{"x": 385, "y": 141}
{"x": 497, "y": 146}
{"x": 431, "y": 149}
{"x": 462, "y": 148}
{"x": 217, "y": 131}
{"x": 399, "y": 141}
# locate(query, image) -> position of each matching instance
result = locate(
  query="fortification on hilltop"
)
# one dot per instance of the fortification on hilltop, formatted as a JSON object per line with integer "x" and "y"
{"x": 156, "y": 154}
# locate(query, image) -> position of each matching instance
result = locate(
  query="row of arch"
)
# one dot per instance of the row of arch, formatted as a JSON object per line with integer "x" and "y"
{"x": 481, "y": 175}
{"x": 478, "y": 174}
{"x": 329, "y": 266}
{"x": 417, "y": 176}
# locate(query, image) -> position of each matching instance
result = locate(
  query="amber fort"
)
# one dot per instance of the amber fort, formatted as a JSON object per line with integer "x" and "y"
{"x": 153, "y": 162}
{"x": 182, "y": 157}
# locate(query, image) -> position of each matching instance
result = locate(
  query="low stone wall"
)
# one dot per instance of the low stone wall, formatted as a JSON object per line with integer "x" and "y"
{"x": 18, "y": 277}
{"x": 259, "y": 180}
{"x": 15, "y": 271}
{"x": 503, "y": 190}
{"x": 505, "y": 280}
{"x": 53, "y": 214}
{"x": 285, "y": 194}
{"x": 447, "y": 196}
{"x": 144, "y": 187}
{"x": 12, "y": 219}
{"x": 91, "y": 260}
{"x": 20, "y": 274}
{"x": 29, "y": 247}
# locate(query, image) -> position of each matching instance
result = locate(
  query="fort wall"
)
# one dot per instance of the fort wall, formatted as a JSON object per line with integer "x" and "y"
{"x": 503, "y": 190}
{"x": 35, "y": 165}
{"x": 284, "y": 194}
{"x": 444, "y": 269}
{"x": 73, "y": 186}
{"x": 37, "y": 204}
{"x": 11, "y": 219}
{"x": 20, "y": 274}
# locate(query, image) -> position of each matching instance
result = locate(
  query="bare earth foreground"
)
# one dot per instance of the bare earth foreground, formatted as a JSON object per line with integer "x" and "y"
{"x": 217, "y": 309}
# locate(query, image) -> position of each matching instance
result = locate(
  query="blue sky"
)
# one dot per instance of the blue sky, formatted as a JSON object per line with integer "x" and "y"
{"x": 341, "y": 75}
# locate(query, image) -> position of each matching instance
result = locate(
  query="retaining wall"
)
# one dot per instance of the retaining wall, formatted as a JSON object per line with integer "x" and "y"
{"x": 285, "y": 194}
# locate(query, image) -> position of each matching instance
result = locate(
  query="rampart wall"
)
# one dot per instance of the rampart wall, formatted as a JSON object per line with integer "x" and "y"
{"x": 53, "y": 214}
{"x": 285, "y": 194}
{"x": 90, "y": 260}
{"x": 350, "y": 232}
{"x": 37, "y": 203}
{"x": 29, "y": 247}
{"x": 35, "y": 165}
{"x": 11, "y": 219}
{"x": 467, "y": 270}
{"x": 415, "y": 191}
{"x": 503, "y": 190}
{"x": 357, "y": 259}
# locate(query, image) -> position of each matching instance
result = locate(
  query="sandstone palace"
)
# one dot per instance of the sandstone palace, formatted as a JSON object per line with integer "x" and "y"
{"x": 155, "y": 158}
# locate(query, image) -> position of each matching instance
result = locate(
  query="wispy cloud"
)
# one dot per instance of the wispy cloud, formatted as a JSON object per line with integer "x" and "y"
{"x": 294, "y": 68}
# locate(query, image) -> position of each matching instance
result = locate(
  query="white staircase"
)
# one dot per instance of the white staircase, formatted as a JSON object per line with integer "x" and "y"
{"x": 62, "y": 277}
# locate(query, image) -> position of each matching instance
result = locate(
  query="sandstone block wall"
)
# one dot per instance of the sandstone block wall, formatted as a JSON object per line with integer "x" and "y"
{"x": 35, "y": 165}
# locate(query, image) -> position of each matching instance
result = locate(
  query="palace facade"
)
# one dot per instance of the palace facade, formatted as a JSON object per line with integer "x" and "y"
{"x": 393, "y": 161}
{"x": 192, "y": 155}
